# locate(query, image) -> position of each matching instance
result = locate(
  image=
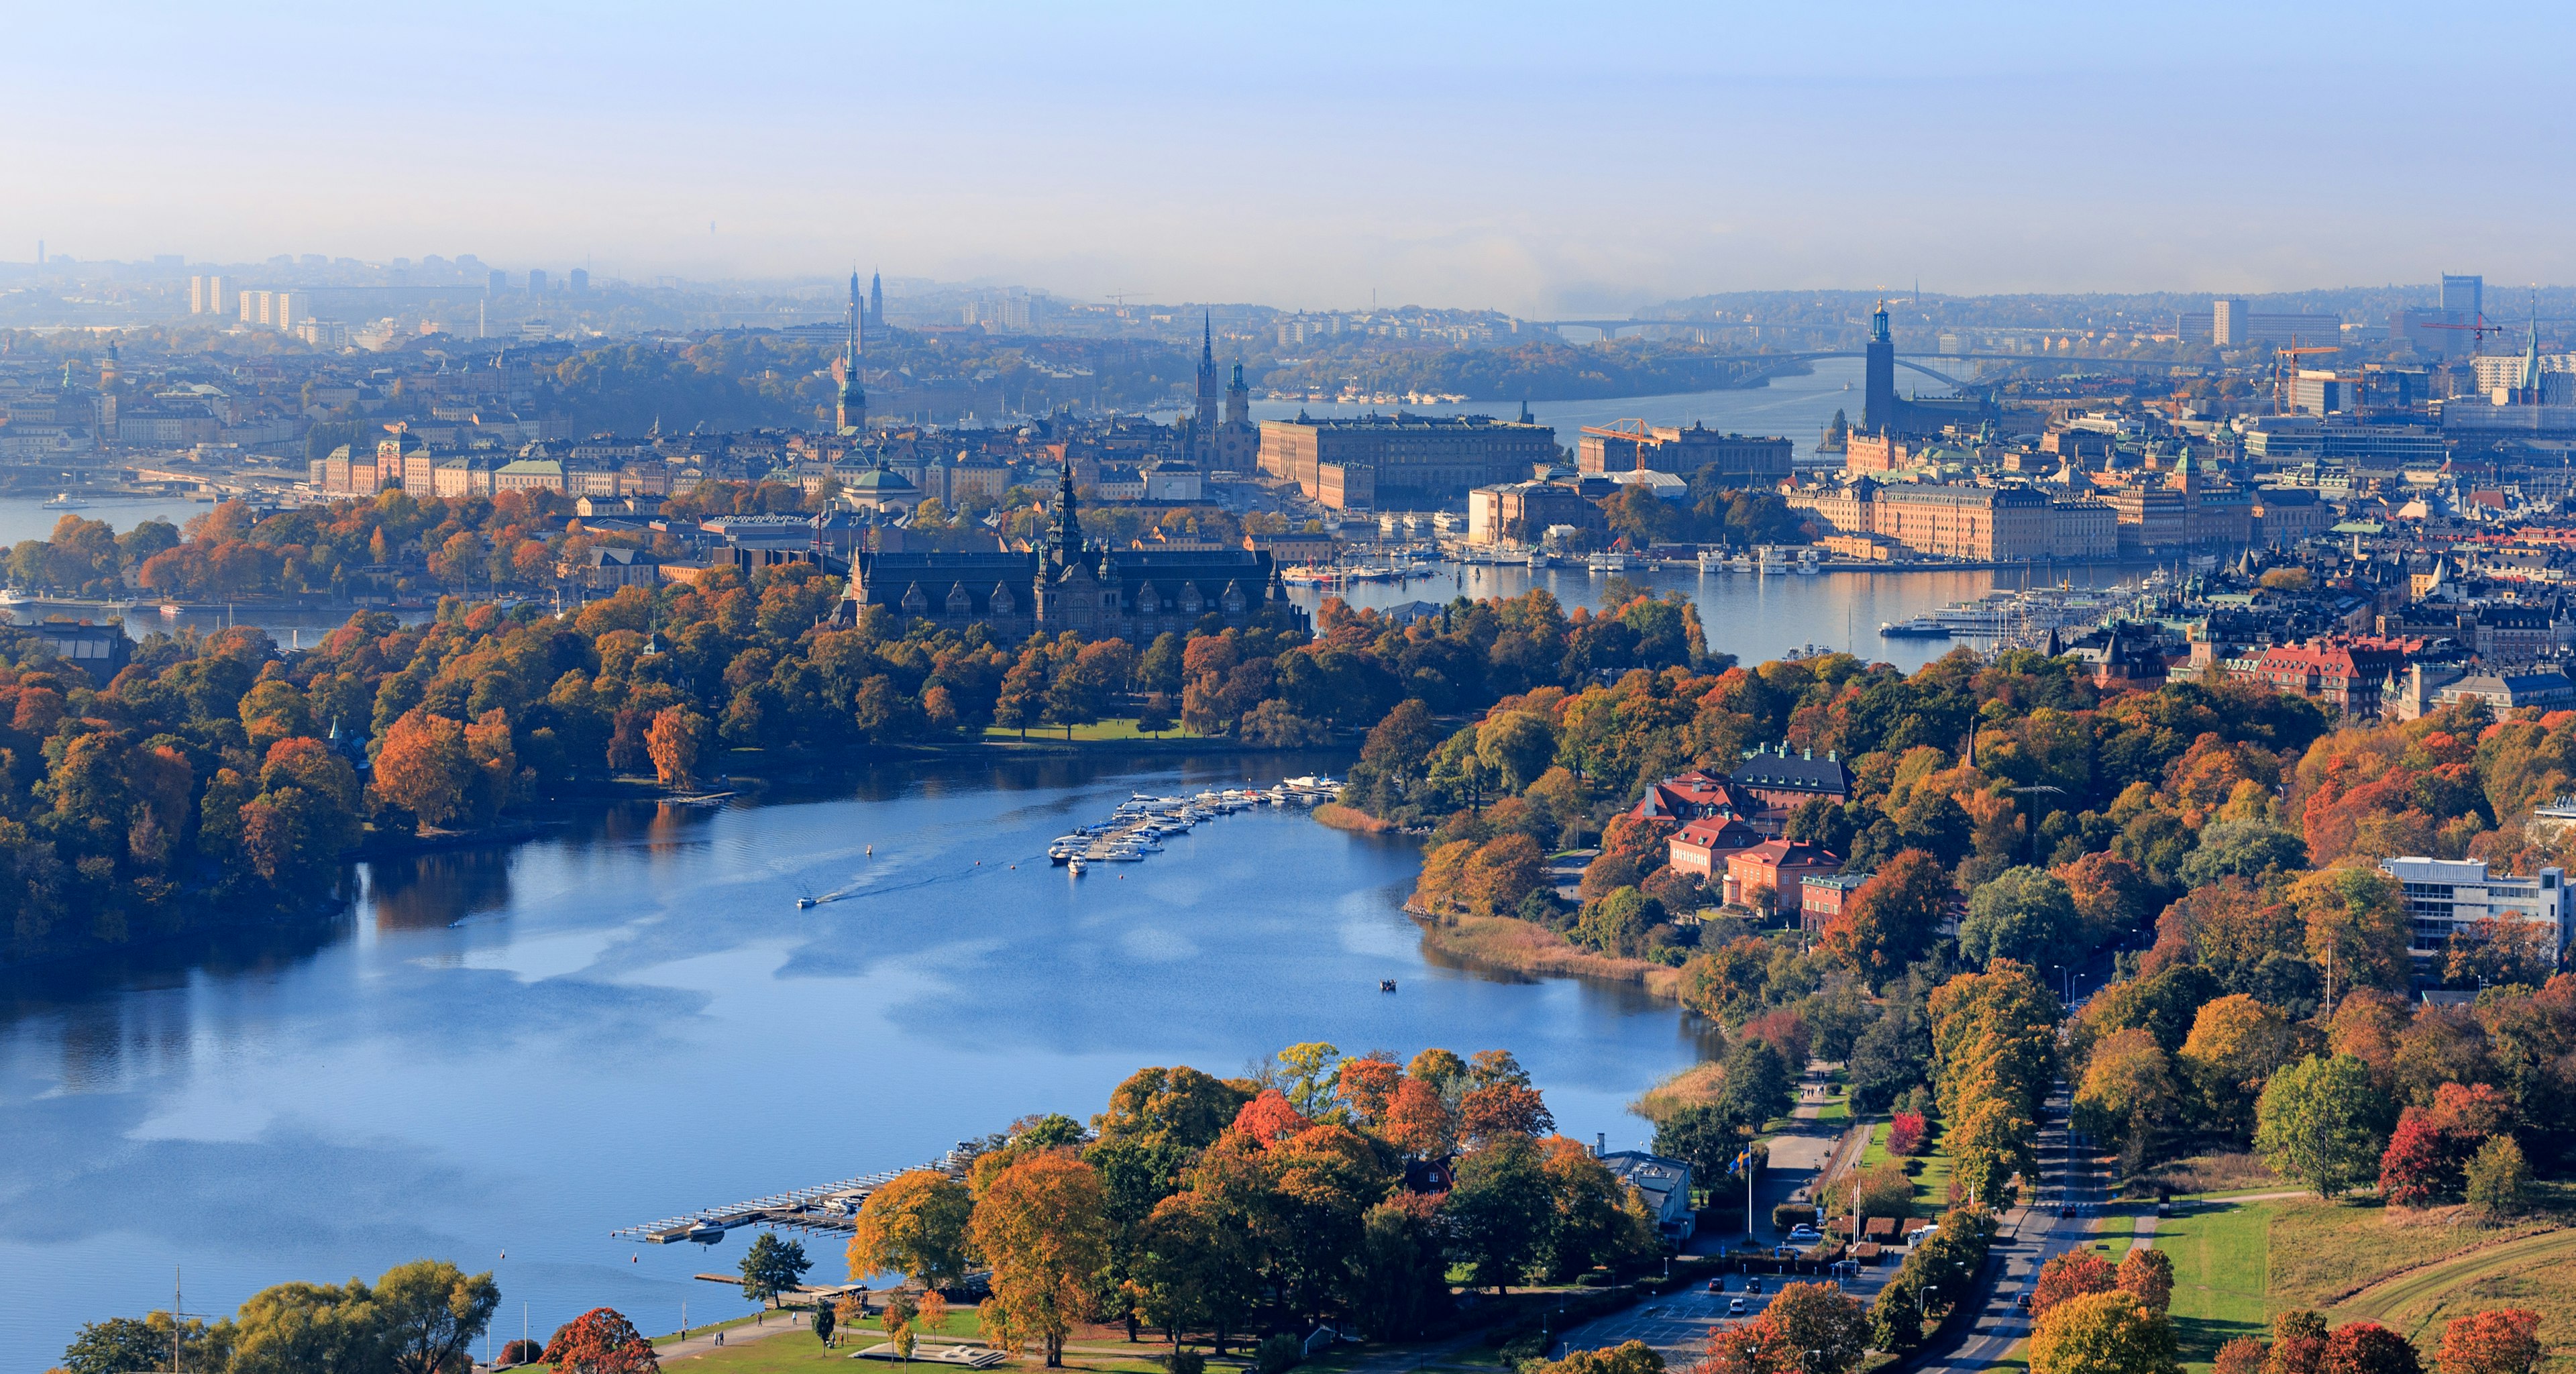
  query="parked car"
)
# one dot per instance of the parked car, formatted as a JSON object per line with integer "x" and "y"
{"x": 1805, "y": 1235}
{"x": 1735, "y": 1307}
{"x": 1718, "y": 1284}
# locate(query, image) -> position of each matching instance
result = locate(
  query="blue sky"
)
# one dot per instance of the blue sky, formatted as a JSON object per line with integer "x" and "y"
{"x": 1541, "y": 159}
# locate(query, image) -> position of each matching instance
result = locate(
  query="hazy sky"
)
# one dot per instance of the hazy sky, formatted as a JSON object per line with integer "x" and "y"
{"x": 1548, "y": 159}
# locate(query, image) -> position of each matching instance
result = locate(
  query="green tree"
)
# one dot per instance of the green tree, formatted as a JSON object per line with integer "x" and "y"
{"x": 2499, "y": 1178}
{"x": 2021, "y": 913}
{"x": 431, "y": 1314}
{"x": 1499, "y": 1211}
{"x": 772, "y": 1267}
{"x": 2321, "y": 1122}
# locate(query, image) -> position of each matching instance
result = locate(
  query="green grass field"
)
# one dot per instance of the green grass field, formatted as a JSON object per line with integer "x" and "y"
{"x": 2222, "y": 1271}
{"x": 1931, "y": 1172}
{"x": 1098, "y": 732}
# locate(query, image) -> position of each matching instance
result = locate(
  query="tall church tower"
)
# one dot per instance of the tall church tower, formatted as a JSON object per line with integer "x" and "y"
{"x": 1878, "y": 376}
{"x": 853, "y": 411}
{"x": 876, "y": 299}
{"x": 1203, "y": 433}
{"x": 1238, "y": 399}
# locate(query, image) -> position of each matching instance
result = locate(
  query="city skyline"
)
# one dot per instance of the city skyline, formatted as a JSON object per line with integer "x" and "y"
{"x": 1433, "y": 157}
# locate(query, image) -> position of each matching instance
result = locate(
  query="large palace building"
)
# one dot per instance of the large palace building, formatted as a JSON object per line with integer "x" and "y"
{"x": 1103, "y": 593}
{"x": 1403, "y": 460}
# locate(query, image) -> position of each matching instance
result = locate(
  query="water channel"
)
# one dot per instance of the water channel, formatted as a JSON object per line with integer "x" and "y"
{"x": 516, "y": 1050}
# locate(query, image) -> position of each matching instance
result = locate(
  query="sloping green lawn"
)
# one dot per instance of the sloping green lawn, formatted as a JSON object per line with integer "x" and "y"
{"x": 2222, "y": 1269}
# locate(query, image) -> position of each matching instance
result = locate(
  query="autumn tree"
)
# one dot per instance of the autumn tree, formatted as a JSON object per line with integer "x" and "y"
{"x": 2503, "y": 1341}
{"x": 2071, "y": 1275}
{"x": 915, "y": 1224}
{"x": 601, "y": 1341}
{"x": 2368, "y": 1348}
{"x": 677, "y": 736}
{"x": 2108, "y": 1332}
{"x": 1893, "y": 919}
{"x": 1039, "y": 1224}
{"x": 424, "y": 767}
{"x": 1829, "y": 1328}
{"x": 2146, "y": 1274}
{"x": 1499, "y": 1210}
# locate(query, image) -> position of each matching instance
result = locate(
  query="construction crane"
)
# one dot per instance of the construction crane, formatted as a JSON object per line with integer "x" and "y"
{"x": 2478, "y": 328}
{"x": 2285, "y": 363}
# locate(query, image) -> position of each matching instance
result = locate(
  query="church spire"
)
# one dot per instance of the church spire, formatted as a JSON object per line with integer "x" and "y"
{"x": 853, "y": 410}
{"x": 1065, "y": 542}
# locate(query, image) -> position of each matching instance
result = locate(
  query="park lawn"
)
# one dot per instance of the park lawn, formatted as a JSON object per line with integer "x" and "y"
{"x": 794, "y": 1352}
{"x": 2222, "y": 1270}
{"x": 2323, "y": 1252}
{"x": 1836, "y": 1112}
{"x": 1931, "y": 1178}
{"x": 1098, "y": 732}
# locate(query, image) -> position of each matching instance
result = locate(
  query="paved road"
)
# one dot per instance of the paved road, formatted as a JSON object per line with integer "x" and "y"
{"x": 2033, "y": 1235}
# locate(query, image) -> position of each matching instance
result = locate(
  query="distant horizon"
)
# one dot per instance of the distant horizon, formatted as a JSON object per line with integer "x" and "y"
{"x": 1520, "y": 159}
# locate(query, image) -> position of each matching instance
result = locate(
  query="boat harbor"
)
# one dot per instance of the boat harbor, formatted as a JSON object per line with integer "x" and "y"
{"x": 1137, "y": 828}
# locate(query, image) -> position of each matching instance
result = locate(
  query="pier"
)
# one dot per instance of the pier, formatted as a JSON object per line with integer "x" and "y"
{"x": 821, "y": 1207}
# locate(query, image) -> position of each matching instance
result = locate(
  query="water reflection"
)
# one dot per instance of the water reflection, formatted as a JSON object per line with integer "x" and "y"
{"x": 321, "y": 1100}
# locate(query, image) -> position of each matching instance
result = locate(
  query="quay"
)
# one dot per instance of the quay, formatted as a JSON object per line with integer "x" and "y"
{"x": 822, "y": 1207}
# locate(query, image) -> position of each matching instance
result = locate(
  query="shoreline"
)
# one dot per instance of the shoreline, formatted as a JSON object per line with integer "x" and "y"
{"x": 1507, "y": 944}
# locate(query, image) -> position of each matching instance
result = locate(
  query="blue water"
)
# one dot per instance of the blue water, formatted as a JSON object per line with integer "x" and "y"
{"x": 519, "y": 1050}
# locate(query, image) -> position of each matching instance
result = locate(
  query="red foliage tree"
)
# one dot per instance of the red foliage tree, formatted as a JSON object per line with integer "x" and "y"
{"x": 2071, "y": 1275}
{"x": 2417, "y": 1170}
{"x": 1504, "y": 1109}
{"x": 1370, "y": 1086}
{"x": 1905, "y": 1134}
{"x": 2368, "y": 1348}
{"x": 600, "y": 1341}
{"x": 1419, "y": 1122}
{"x": 1269, "y": 1117}
{"x": 2505, "y": 1341}
{"x": 2243, "y": 1355}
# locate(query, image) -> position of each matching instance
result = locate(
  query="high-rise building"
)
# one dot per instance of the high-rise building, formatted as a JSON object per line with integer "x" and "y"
{"x": 2227, "y": 322}
{"x": 536, "y": 281}
{"x": 579, "y": 280}
{"x": 497, "y": 283}
{"x": 2464, "y": 296}
{"x": 876, "y": 301}
{"x": 205, "y": 295}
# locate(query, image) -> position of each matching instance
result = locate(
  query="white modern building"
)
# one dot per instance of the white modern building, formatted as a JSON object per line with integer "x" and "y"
{"x": 2443, "y": 896}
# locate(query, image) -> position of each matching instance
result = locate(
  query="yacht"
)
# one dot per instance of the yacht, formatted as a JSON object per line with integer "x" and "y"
{"x": 1078, "y": 865}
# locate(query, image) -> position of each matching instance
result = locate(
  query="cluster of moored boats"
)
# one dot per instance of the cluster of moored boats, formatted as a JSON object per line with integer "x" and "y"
{"x": 1141, "y": 823}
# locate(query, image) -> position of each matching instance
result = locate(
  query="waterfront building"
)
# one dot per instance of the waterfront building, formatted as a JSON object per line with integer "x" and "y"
{"x": 2449, "y": 899}
{"x": 1664, "y": 1183}
{"x": 1941, "y": 520}
{"x": 1740, "y": 461}
{"x": 1404, "y": 458}
{"x": 1519, "y": 512}
{"x": 1883, "y": 412}
{"x": 1069, "y": 584}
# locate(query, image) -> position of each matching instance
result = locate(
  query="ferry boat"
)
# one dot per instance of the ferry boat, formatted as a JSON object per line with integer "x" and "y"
{"x": 1538, "y": 559}
{"x": 1920, "y": 627}
{"x": 1741, "y": 563}
{"x": 1774, "y": 559}
{"x": 66, "y": 501}
{"x": 1712, "y": 560}
{"x": 1807, "y": 565}
{"x": 1607, "y": 562}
